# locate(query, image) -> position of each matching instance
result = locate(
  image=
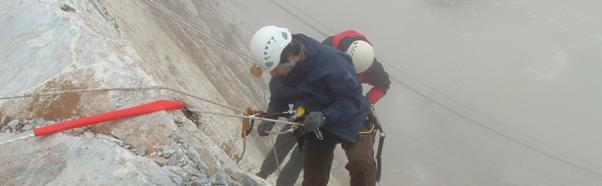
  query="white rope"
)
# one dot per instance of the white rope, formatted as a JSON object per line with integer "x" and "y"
{"x": 122, "y": 89}
{"x": 275, "y": 154}
{"x": 282, "y": 132}
{"x": 205, "y": 34}
{"x": 29, "y": 135}
{"x": 244, "y": 117}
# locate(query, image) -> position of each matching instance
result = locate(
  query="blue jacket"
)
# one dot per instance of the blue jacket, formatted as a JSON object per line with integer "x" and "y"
{"x": 324, "y": 81}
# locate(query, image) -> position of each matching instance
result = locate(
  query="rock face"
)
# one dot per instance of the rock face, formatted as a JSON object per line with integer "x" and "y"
{"x": 55, "y": 45}
{"x": 83, "y": 160}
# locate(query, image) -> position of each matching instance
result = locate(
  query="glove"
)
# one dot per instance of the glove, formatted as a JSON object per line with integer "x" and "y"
{"x": 264, "y": 127}
{"x": 313, "y": 121}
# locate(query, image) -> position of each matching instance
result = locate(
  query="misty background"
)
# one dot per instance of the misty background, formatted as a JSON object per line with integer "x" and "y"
{"x": 484, "y": 92}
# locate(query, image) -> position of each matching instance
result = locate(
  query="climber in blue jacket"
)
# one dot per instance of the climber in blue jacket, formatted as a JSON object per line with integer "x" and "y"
{"x": 323, "y": 79}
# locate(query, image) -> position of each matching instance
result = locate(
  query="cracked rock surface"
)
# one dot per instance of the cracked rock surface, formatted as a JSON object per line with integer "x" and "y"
{"x": 56, "y": 45}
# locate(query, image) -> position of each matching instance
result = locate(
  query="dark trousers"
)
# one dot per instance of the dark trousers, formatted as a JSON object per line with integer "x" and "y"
{"x": 290, "y": 172}
{"x": 318, "y": 156}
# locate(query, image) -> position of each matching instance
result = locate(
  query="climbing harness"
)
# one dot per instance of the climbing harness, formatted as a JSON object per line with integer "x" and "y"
{"x": 381, "y": 140}
{"x": 370, "y": 131}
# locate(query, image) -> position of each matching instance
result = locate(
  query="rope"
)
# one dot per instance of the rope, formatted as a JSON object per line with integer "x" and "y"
{"x": 535, "y": 142}
{"x": 204, "y": 99}
{"x": 282, "y": 132}
{"x": 122, "y": 89}
{"x": 275, "y": 154}
{"x": 309, "y": 16}
{"x": 204, "y": 34}
{"x": 244, "y": 117}
{"x": 299, "y": 18}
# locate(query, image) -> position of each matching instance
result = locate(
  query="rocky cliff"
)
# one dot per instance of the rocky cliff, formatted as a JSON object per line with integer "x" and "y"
{"x": 185, "y": 45}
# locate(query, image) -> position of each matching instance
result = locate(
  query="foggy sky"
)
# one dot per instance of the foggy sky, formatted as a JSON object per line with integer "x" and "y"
{"x": 493, "y": 92}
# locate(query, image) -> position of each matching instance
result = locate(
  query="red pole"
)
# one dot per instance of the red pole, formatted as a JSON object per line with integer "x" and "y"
{"x": 113, "y": 115}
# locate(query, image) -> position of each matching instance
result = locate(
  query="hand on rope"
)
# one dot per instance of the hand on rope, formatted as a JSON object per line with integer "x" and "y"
{"x": 314, "y": 121}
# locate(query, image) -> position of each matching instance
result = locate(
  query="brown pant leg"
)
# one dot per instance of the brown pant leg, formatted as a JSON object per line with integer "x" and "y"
{"x": 317, "y": 160}
{"x": 361, "y": 165}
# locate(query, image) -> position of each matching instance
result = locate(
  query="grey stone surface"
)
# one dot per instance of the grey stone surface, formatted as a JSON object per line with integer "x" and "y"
{"x": 172, "y": 161}
{"x": 60, "y": 159}
{"x": 168, "y": 152}
{"x": 27, "y": 127}
{"x": 89, "y": 134}
{"x": 13, "y": 124}
{"x": 140, "y": 151}
{"x": 3, "y": 120}
{"x": 119, "y": 134}
{"x": 39, "y": 122}
{"x": 90, "y": 49}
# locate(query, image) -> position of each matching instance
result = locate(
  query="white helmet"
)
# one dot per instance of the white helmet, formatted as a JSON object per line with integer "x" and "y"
{"x": 267, "y": 45}
{"x": 362, "y": 55}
